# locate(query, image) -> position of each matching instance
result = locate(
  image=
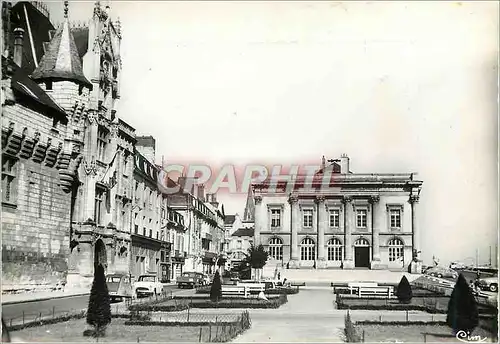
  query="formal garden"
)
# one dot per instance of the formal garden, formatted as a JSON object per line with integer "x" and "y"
{"x": 419, "y": 314}
{"x": 167, "y": 318}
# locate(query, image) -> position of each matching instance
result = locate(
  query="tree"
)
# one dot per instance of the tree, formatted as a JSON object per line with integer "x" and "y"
{"x": 99, "y": 310}
{"x": 462, "y": 312}
{"x": 216, "y": 289}
{"x": 256, "y": 257}
{"x": 403, "y": 291}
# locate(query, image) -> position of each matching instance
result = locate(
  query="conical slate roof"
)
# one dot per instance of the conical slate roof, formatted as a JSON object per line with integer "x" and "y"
{"x": 61, "y": 60}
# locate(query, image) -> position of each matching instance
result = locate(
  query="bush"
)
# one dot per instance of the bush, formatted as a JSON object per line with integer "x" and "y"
{"x": 403, "y": 291}
{"x": 462, "y": 312}
{"x": 216, "y": 288}
{"x": 99, "y": 310}
{"x": 350, "y": 331}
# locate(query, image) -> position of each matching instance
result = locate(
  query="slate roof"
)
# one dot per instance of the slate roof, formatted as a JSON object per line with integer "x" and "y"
{"x": 24, "y": 86}
{"x": 243, "y": 232}
{"x": 229, "y": 220}
{"x": 81, "y": 36}
{"x": 62, "y": 59}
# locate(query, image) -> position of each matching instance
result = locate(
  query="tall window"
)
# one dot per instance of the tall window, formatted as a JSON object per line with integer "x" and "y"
{"x": 101, "y": 145}
{"x": 395, "y": 215}
{"x": 335, "y": 249}
{"x": 334, "y": 218}
{"x": 307, "y": 249}
{"x": 396, "y": 248}
{"x": 275, "y": 218}
{"x": 276, "y": 248}
{"x": 361, "y": 215}
{"x": 8, "y": 179}
{"x": 308, "y": 218}
{"x": 98, "y": 205}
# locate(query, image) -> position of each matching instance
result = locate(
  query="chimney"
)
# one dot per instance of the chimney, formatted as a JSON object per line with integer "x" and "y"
{"x": 146, "y": 146}
{"x": 213, "y": 200}
{"x": 344, "y": 164}
{"x": 201, "y": 192}
{"x": 18, "y": 46}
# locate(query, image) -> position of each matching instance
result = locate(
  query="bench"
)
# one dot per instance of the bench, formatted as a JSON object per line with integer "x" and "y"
{"x": 355, "y": 286}
{"x": 374, "y": 291}
{"x": 243, "y": 289}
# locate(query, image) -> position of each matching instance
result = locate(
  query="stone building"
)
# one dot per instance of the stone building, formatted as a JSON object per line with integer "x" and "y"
{"x": 44, "y": 105}
{"x": 60, "y": 129}
{"x": 360, "y": 221}
{"x": 204, "y": 239}
{"x": 150, "y": 246}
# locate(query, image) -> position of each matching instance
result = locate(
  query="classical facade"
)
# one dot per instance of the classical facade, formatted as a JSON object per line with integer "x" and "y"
{"x": 360, "y": 221}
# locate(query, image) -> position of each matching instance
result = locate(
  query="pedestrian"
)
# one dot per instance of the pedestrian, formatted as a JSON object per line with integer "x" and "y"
{"x": 279, "y": 276}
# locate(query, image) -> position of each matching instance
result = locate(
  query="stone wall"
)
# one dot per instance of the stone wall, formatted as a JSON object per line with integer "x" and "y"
{"x": 35, "y": 221}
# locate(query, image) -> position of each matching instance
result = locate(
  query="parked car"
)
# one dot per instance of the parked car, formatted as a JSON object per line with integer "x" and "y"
{"x": 119, "y": 286}
{"x": 458, "y": 266}
{"x": 208, "y": 279}
{"x": 489, "y": 283}
{"x": 148, "y": 285}
{"x": 441, "y": 272}
{"x": 190, "y": 279}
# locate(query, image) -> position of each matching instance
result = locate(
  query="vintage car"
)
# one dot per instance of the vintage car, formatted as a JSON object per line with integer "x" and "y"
{"x": 442, "y": 272}
{"x": 207, "y": 279}
{"x": 148, "y": 285}
{"x": 190, "y": 279}
{"x": 119, "y": 286}
{"x": 489, "y": 283}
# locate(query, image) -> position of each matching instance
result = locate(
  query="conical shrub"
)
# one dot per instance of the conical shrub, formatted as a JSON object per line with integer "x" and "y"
{"x": 403, "y": 291}
{"x": 216, "y": 289}
{"x": 462, "y": 312}
{"x": 99, "y": 310}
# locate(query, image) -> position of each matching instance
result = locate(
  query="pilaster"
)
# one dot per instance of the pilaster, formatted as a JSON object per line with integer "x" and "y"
{"x": 295, "y": 212}
{"x": 377, "y": 211}
{"x": 348, "y": 262}
{"x": 322, "y": 225}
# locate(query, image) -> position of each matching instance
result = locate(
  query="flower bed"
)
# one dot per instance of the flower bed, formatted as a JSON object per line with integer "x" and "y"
{"x": 288, "y": 291}
{"x": 178, "y": 303}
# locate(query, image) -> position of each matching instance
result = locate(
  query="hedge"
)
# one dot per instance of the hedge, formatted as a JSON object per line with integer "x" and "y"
{"x": 351, "y": 335}
{"x": 395, "y": 307}
{"x": 186, "y": 303}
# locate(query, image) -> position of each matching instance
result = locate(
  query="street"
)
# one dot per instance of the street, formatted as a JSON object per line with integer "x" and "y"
{"x": 58, "y": 306}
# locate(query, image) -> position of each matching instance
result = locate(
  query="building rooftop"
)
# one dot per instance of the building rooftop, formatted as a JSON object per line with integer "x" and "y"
{"x": 243, "y": 232}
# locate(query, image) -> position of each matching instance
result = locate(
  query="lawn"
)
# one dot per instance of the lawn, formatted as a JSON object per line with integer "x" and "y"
{"x": 413, "y": 334}
{"x": 438, "y": 302}
{"x": 72, "y": 331}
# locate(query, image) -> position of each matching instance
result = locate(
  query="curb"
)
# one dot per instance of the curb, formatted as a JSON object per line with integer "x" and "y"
{"x": 45, "y": 298}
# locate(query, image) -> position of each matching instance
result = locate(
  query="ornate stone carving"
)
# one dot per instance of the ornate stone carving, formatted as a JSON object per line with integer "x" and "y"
{"x": 91, "y": 116}
{"x": 346, "y": 199}
{"x": 293, "y": 199}
{"x": 414, "y": 199}
{"x": 258, "y": 199}
{"x": 320, "y": 199}
{"x": 90, "y": 167}
{"x": 374, "y": 199}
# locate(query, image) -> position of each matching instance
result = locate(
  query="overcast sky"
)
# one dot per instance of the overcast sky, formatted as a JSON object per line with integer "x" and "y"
{"x": 399, "y": 87}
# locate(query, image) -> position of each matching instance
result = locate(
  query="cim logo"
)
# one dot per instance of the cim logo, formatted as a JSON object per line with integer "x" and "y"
{"x": 465, "y": 337}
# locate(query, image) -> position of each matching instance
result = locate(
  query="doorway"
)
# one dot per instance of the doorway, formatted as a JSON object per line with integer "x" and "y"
{"x": 362, "y": 253}
{"x": 362, "y": 257}
{"x": 100, "y": 254}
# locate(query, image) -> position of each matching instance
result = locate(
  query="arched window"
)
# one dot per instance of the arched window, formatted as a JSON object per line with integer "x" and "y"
{"x": 307, "y": 249}
{"x": 396, "y": 249}
{"x": 276, "y": 249}
{"x": 362, "y": 242}
{"x": 335, "y": 249}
